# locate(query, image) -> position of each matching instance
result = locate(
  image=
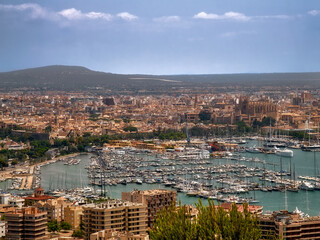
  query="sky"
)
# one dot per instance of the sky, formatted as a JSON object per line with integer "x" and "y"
{"x": 162, "y": 36}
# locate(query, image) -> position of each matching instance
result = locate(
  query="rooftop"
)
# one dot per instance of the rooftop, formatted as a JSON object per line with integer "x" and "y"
{"x": 153, "y": 192}
{"x": 111, "y": 204}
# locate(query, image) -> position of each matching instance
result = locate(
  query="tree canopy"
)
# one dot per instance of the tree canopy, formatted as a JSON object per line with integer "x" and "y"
{"x": 65, "y": 225}
{"x": 211, "y": 223}
{"x": 53, "y": 226}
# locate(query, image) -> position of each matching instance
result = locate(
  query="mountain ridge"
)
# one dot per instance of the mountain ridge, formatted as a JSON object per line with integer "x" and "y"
{"x": 64, "y": 77}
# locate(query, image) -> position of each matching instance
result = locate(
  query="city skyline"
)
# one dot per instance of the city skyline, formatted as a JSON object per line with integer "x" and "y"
{"x": 152, "y": 37}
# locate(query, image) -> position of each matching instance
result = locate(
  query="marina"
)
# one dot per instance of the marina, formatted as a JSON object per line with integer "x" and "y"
{"x": 272, "y": 180}
{"x": 265, "y": 179}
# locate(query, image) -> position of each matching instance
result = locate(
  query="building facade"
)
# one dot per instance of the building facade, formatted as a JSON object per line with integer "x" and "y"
{"x": 112, "y": 235}
{"x": 73, "y": 215}
{"x": 155, "y": 200}
{"x": 116, "y": 216}
{"x": 26, "y": 223}
{"x": 289, "y": 225}
{"x": 54, "y": 208}
{"x": 3, "y": 229}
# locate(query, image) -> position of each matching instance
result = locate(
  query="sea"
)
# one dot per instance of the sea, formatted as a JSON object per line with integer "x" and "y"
{"x": 58, "y": 175}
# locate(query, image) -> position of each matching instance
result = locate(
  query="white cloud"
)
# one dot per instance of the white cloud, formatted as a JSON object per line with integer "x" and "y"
{"x": 98, "y": 15}
{"x": 71, "y": 14}
{"x": 127, "y": 16}
{"x": 35, "y": 10}
{"x": 238, "y": 16}
{"x": 274, "y": 17}
{"x": 167, "y": 19}
{"x": 74, "y": 14}
{"x": 314, "y": 12}
{"x": 226, "y": 16}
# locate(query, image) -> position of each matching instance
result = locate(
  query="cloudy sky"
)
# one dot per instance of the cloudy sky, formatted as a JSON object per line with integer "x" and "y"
{"x": 162, "y": 36}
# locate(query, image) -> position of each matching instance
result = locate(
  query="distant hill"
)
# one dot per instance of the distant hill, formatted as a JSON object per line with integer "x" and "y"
{"x": 70, "y": 78}
{"x": 59, "y": 77}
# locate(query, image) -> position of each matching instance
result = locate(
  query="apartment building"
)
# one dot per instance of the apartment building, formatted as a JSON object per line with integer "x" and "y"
{"x": 3, "y": 229}
{"x": 289, "y": 225}
{"x": 114, "y": 215}
{"x": 15, "y": 201}
{"x": 113, "y": 235}
{"x": 54, "y": 208}
{"x": 26, "y": 223}
{"x": 73, "y": 215}
{"x": 155, "y": 200}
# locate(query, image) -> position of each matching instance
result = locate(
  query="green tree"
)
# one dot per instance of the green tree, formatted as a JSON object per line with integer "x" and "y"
{"x": 86, "y": 134}
{"x": 14, "y": 162}
{"x": 48, "y": 129}
{"x": 211, "y": 223}
{"x": 130, "y": 129}
{"x": 204, "y": 115}
{"x": 53, "y": 226}
{"x": 174, "y": 224}
{"x": 267, "y": 121}
{"x": 81, "y": 225}
{"x": 65, "y": 225}
{"x": 3, "y": 162}
{"x": 242, "y": 127}
{"x": 78, "y": 233}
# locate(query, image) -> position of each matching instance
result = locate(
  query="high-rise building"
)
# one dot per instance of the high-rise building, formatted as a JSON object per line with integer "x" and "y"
{"x": 54, "y": 208}
{"x": 73, "y": 215}
{"x": 289, "y": 225}
{"x": 155, "y": 200}
{"x": 114, "y": 215}
{"x": 26, "y": 223}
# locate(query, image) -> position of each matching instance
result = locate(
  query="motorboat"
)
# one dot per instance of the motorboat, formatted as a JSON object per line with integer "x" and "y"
{"x": 306, "y": 186}
{"x": 253, "y": 149}
{"x": 284, "y": 152}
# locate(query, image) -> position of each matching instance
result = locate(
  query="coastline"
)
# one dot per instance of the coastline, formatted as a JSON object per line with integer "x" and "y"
{"x": 26, "y": 172}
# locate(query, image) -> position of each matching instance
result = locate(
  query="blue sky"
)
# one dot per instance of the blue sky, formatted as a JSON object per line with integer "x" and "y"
{"x": 162, "y": 36}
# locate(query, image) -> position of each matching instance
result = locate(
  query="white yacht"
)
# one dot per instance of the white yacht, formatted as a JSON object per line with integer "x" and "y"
{"x": 284, "y": 152}
{"x": 306, "y": 186}
{"x": 253, "y": 149}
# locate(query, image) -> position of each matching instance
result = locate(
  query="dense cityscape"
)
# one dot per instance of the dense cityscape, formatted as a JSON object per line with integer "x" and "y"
{"x": 159, "y": 120}
{"x": 180, "y": 145}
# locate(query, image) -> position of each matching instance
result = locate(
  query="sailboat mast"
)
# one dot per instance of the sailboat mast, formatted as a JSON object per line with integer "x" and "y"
{"x": 281, "y": 169}
{"x": 187, "y": 133}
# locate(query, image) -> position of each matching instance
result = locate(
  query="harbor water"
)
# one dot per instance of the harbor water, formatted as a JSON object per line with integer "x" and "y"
{"x": 58, "y": 176}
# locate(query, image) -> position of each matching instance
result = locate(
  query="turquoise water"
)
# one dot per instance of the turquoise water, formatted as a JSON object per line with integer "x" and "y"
{"x": 58, "y": 175}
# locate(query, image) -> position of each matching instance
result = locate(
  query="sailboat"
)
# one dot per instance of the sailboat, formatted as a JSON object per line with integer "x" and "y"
{"x": 293, "y": 188}
{"x": 310, "y": 147}
{"x": 316, "y": 184}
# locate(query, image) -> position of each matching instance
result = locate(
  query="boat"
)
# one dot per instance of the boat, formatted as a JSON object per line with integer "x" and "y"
{"x": 274, "y": 144}
{"x": 306, "y": 186}
{"x": 242, "y": 141}
{"x": 139, "y": 181}
{"x": 284, "y": 152}
{"x": 123, "y": 182}
{"x": 311, "y": 148}
{"x": 253, "y": 149}
{"x": 293, "y": 189}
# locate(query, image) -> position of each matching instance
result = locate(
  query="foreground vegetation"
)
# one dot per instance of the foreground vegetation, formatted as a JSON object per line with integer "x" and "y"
{"x": 211, "y": 223}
